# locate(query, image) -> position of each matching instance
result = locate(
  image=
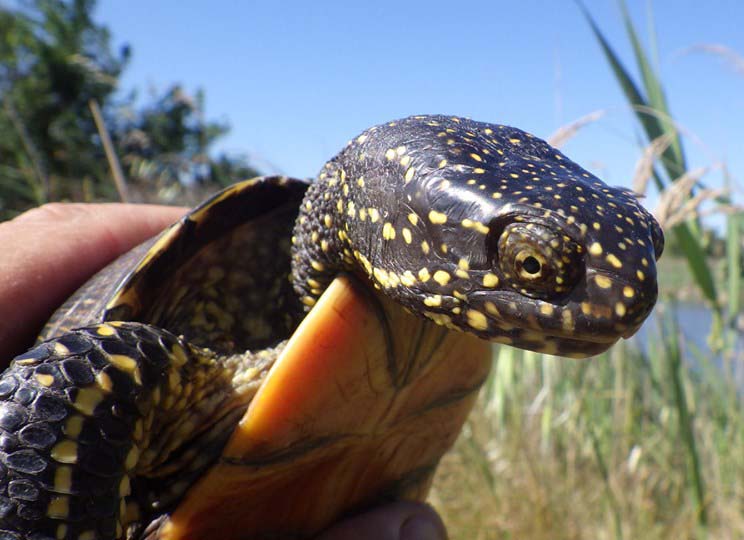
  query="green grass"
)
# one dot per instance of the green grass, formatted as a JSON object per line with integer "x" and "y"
{"x": 599, "y": 448}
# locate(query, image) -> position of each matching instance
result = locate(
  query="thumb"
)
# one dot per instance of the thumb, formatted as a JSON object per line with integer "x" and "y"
{"x": 401, "y": 520}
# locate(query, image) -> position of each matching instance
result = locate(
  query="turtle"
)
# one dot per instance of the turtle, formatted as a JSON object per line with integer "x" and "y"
{"x": 293, "y": 351}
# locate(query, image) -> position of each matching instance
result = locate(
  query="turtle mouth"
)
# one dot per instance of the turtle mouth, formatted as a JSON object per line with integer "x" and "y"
{"x": 603, "y": 308}
{"x": 575, "y": 337}
{"x": 554, "y": 343}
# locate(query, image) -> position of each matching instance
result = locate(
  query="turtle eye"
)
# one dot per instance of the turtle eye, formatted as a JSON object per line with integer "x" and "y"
{"x": 537, "y": 261}
{"x": 531, "y": 265}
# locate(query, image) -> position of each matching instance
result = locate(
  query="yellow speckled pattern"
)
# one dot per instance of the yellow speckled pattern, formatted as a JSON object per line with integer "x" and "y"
{"x": 483, "y": 228}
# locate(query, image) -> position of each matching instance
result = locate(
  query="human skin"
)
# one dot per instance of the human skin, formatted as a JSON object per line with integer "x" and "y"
{"x": 51, "y": 250}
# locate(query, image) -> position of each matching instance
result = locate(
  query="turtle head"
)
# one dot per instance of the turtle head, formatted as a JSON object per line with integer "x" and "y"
{"x": 490, "y": 230}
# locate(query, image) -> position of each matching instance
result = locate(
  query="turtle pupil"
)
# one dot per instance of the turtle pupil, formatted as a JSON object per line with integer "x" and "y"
{"x": 531, "y": 265}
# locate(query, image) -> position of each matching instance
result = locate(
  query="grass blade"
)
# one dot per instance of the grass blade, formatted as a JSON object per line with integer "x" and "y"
{"x": 685, "y": 422}
{"x": 673, "y": 158}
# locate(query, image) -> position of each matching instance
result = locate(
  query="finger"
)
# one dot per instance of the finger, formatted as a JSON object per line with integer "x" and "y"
{"x": 51, "y": 250}
{"x": 397, "y": 521}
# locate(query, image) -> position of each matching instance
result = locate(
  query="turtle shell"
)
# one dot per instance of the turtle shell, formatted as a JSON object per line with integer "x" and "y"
{"x": 218, "y": 276}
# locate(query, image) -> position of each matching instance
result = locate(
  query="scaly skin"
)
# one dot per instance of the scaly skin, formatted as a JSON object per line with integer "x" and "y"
{"x": 482, "y": 228}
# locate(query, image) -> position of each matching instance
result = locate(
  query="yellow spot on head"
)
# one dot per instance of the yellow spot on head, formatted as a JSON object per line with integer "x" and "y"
{"x": 568, "y": 320}
{"x": 409, "y": 174}
{"x": 614, "y": 261}
{"x": 628, "y": 292}
{"x": 490, "y": 280}
{"x": 433, "y": 301}
{"x": 546, "y": 309}
{"x": 492, "y": 309}
{"x": 425, "y": 247}
{"x": 443, "y": 164}
{"x": 620, "y": 309}
{"x": 390, "y": 154}
{"x": 308, "y": 301}
{"x": 388, "y": 231}
{"x": 407, "y": 278}
{"x": 477, "y": 320}
{"x": 406, "y": 235}
{"x": 437, "y": 218}
{"x": 476, "y": 157}
{"x": 595, "y": 248}
{"x": 603, "y": 282}
{"x": 439, "y": 318}
{"x": 413, "y": 218}
{"x": 374, "y": 214}
{"x": 424, "y": 275}
{"x": 442, "y": 277}
{"x": 475, "y": 225}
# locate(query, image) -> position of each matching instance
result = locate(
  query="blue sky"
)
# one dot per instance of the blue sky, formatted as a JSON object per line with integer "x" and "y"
{"x": 296, "y": 80}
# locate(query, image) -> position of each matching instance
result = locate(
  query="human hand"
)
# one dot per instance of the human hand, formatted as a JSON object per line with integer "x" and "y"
{"x": 401, "y": 520}
{"x": 50, "y": 251}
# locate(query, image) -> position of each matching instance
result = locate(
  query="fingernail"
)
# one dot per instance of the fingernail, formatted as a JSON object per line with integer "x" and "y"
{"x": 422, "y": 528}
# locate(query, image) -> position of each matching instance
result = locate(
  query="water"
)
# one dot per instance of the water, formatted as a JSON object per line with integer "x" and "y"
{"x": 694, "y": 325}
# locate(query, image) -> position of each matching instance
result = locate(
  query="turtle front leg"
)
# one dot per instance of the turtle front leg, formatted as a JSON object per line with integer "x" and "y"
{"x": 94, "y": 426}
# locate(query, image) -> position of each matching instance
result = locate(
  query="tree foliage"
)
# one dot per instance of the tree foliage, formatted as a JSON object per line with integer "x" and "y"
{"x": 55, "y": 60}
